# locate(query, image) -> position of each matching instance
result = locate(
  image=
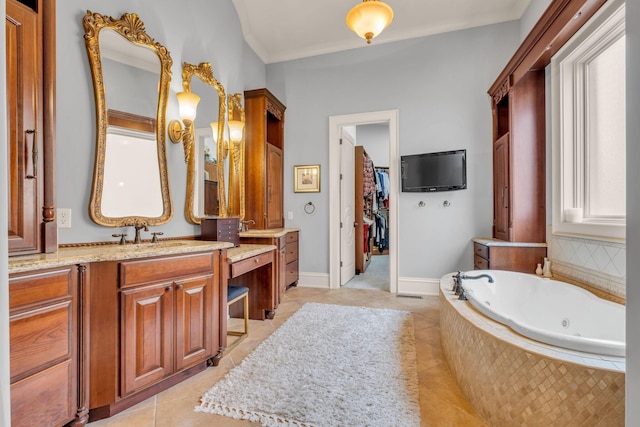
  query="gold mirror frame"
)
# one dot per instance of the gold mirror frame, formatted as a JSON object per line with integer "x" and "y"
{"x": 132, "y": 29}
{"x": 204, "y": 71}
{"x": 236, "y": 161}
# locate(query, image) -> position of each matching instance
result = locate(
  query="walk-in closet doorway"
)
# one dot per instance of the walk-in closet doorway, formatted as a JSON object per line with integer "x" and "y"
{"x": 341, "y": 214}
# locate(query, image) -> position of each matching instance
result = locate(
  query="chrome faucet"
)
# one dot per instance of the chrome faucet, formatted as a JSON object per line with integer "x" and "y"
{"x": 138, "y": 228}
{"x": 480, "y": 276}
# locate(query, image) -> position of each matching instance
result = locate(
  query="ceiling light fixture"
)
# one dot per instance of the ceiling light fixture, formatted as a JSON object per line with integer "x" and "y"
{"x": 369, "y": 18}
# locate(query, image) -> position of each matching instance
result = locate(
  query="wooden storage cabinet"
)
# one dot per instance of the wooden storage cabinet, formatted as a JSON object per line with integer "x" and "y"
{"x": 291, "y": 260}
{"x": 46, "y": 357}
{"x": 505, "y": 257}
{"x": 264, "y": 159}
{"x": 154, "y": 322}
{"x": 220, "y": 229}
{"x": 30, "y": 61}
{"x": 519, "y": 160}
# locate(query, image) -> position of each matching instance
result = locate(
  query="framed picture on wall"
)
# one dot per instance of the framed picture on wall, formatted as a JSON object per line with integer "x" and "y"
{"x": 306, "y": 178}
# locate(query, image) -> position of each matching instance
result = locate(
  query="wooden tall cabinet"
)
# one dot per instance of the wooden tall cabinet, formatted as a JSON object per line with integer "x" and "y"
{"x": 30, "y": 62}
{"x": 264, "y": 115}
{"x": 519, "y": 160}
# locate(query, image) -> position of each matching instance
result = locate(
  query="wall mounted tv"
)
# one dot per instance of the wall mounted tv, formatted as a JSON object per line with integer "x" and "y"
{"x": 428, "y": 172}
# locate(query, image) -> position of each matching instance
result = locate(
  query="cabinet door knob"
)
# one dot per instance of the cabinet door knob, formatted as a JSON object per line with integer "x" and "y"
{"x": 168, "y": 289}
{"x": 178, "y": 286}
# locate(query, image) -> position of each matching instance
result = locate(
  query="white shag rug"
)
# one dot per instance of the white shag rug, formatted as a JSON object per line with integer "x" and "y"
{"x": 327, "y": 365}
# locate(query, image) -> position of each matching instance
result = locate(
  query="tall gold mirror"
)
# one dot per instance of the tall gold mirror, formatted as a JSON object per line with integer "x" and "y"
{"x": 131, "y": 75}
{"x": 236, "y": 125}
{"x": 205, "y": 151}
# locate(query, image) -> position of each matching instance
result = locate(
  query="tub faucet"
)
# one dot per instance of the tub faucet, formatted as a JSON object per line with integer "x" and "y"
{"x": 479, "y": 276}
{"x": 456, "y": 283}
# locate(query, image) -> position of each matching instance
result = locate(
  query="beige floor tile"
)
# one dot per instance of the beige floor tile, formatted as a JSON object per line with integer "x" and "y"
{"x": 441, "y": 401}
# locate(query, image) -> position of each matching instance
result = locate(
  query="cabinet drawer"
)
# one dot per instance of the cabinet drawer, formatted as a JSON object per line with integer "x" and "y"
{"x": 44, "y": 399}
{"x": 39, "y": 338}
{"x": 291, "y": 252}
{"x": 36, "y": 288}
{"x": 134, "y": 273}
{"x": 291, "y": 273}
{"x": 292, "y": 236}
{"x": 241, "y": 267}
{"x": 481, "y": 250}
{"x": 480, "y": 263}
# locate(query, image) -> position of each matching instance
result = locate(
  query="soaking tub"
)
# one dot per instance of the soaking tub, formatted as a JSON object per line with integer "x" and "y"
{"x": 549, "y": 311}
{"x": 513, "y": 380}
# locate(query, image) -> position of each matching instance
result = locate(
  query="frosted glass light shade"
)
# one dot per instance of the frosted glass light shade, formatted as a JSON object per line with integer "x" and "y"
{"x": 188, "y": 105}
{"x": 369, "y": 18}
{"x": 214, "y": 131}
{"x": 235, "y": 130}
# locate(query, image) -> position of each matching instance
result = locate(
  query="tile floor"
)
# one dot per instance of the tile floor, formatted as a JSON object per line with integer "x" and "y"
{"x": 441, "y": 401}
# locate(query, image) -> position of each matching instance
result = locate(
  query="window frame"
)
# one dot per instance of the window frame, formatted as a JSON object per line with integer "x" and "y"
{"x": 568, "y": 106}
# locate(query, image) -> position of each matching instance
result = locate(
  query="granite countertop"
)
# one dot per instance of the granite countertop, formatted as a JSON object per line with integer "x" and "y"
{"x": 488, "y": 241}
{"x": 271, "y": 232}
{"x": 245, "y": 251}
{"x": 115, "y": 252}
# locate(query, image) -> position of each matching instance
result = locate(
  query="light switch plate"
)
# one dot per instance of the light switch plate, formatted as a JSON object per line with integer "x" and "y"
{"x": 290, "y": 215}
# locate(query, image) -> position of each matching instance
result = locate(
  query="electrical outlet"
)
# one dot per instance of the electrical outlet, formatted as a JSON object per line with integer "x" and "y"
{"x": 290, "y": 216}
{"x": 64, "y": 218}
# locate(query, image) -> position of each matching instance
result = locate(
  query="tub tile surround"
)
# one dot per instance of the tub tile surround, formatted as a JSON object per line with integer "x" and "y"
{"x": 597, "y": 263}
{"x": 531, "y": 383}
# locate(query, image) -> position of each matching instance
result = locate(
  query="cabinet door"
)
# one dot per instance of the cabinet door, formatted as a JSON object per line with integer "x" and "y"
{"x": 193, "y": 321}
{"x": 501, "y": 188}
{"x": 23, "y": 68}
{"x": 275, "y": 217}
{"x": 146, "y": 335}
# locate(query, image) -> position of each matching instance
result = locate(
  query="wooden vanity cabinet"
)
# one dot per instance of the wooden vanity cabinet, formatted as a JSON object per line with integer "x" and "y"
{"x": 154, "y": 322}
{"x": 286, "y": 260}
{"x": 264, "y": 142}
{"x": 30, "y": 67}
{"x": 505, "y": 257}
{"x": 47, "y": 347}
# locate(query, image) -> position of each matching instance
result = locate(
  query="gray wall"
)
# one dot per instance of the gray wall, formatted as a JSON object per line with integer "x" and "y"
{"x": 633, "y": 214}
{"x": 375, "y": 140}
{"x": 438, "y": 84}
{"x": 531, "y": 16}
{"x": 194, "y": 32}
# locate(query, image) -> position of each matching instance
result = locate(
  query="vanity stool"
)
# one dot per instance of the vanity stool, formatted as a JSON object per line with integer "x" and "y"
{"x": 234, "y": 294}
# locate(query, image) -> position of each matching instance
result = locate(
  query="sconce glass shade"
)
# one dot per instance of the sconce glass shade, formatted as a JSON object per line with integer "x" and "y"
{"x": 188, "y": 105}
{"x": 369, "y": 18}
{"x": 236, "y": 128}
{"x": 214, "y": 131}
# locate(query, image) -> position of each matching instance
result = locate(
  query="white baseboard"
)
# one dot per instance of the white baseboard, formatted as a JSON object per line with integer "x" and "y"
{"x": 406, "y": 285}
{"x": 313, "y": 280}
{"x": 418, "y": 286}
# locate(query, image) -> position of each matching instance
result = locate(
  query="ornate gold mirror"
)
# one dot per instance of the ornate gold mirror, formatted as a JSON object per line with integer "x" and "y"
{"x": 205, "y": 157}
{"x": 236, "y": 125}
{"x": 131, "y": 75}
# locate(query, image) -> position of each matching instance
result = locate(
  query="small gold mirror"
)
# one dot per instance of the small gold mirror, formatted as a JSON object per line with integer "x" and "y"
{"x": 205, "y": 151}
{"x": 131, "y": 75}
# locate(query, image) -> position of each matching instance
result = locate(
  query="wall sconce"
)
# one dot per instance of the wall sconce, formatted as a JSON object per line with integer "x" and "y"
{"x": 236, "y": 129}
{"x": 369, "y": 18}
{"x": 187, "y": 105}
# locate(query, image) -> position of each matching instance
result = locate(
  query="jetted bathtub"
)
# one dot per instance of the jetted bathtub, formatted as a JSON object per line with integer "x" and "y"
{"x": 549, "y": 311}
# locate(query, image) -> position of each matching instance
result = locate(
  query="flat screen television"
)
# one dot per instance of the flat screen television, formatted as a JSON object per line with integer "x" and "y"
{"x": 429, "y": 172}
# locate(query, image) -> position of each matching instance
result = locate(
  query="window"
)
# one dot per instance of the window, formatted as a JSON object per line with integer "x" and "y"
{"x": 588, "y": 128}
